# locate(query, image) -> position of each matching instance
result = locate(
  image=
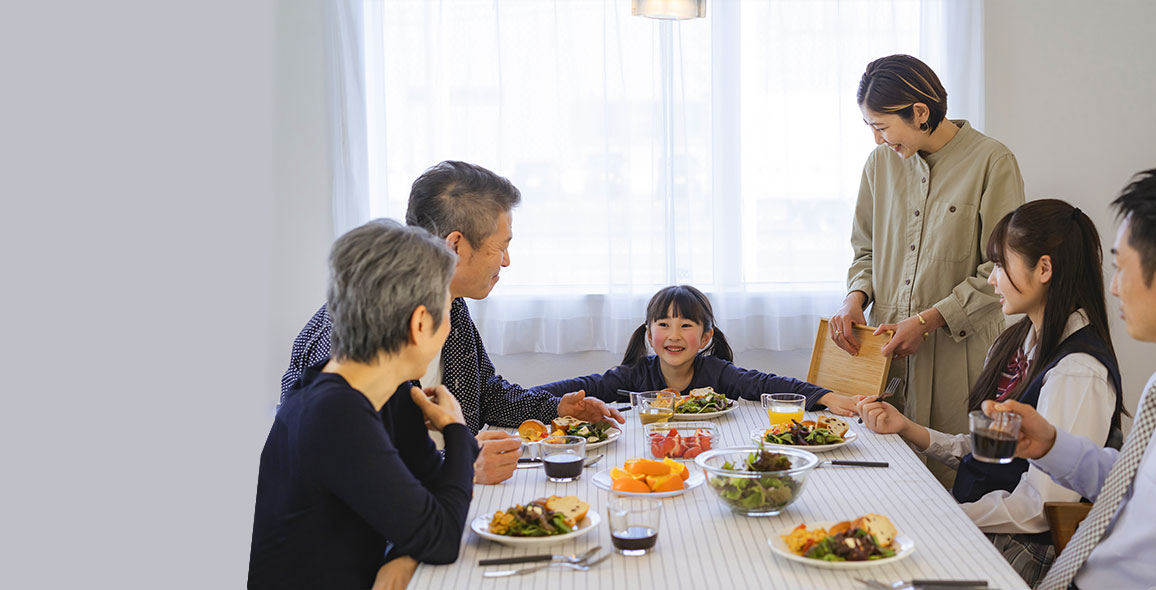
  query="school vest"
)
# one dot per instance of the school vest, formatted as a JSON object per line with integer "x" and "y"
{"x": 975, "y": 478}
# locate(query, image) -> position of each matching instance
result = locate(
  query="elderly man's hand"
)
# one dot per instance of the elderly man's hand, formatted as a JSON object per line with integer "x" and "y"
{"x": 499, "y": 457}
{"x": 590, "y": 409}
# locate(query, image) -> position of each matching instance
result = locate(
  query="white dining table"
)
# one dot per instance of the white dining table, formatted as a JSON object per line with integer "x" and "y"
{"x": 702, "y": 544}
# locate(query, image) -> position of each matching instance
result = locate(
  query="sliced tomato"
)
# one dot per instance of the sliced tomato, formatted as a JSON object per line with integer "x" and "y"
{"x": 692, "y": 452}
{"x": 704, "y": 442}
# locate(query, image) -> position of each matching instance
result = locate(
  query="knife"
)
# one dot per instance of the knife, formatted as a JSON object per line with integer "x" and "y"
{"x": 533, "y": 558}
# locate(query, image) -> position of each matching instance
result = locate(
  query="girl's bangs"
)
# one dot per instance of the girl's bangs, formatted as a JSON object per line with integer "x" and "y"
{"x": 679, "y": 302}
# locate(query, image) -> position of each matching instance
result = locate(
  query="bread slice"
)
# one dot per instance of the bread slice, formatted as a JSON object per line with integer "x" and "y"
{"x": 702, "y": 392}
{"x": 836, "y": 426}
{"x": 570, "y": 506}
{"x": 564, "y": 422}
{"x": 877, "y": 525}
{"x": 533, "y": 431}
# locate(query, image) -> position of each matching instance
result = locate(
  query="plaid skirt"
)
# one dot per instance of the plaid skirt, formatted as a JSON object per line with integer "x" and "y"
{"x": 1030, "y": 559}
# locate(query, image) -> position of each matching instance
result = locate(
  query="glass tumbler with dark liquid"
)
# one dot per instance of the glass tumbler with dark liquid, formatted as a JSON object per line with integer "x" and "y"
{"x": 993, "y": 439}
{"x": 563, "y": 458}
{"x": 634, "y": 524}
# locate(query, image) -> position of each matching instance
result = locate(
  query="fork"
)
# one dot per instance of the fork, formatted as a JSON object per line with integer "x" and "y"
{"x": 582, "y": 567}
{"x": 892, "y": 387}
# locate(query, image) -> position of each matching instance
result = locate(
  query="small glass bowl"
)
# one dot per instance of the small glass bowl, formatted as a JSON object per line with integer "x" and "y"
{"x": 689, "y": 440}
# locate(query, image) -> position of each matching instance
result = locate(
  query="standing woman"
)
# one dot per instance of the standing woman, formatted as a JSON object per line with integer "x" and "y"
{"x": 930, "y": 195}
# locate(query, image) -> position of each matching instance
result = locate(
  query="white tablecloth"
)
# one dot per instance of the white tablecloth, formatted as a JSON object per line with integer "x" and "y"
{"x": 701, "y": 544}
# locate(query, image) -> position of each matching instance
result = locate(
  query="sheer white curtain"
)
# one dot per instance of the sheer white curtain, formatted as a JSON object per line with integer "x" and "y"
{"x": 722, "y": 152}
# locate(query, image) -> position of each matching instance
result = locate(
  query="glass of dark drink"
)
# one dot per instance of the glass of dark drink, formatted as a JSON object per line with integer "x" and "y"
{"x": 993, "y": 438}
{"x": 563, "y": 457}
{"x": 634, "y": 524}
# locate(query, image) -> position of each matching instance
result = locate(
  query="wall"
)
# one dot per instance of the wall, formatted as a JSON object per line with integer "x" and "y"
{"x": 303, "y": 225}
{"x": 1070, "y": 89}
{"x": 136, "y": 168}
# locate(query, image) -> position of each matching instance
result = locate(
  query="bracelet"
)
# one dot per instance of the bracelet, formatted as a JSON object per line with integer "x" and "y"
{"x": 922, "y": 322}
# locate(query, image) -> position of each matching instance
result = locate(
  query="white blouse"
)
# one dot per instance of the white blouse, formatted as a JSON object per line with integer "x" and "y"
{"x": 1077, "y": 396}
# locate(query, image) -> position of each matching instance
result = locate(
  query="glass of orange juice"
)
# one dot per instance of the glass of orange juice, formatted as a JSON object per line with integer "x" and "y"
{"x": 783, "y": 407}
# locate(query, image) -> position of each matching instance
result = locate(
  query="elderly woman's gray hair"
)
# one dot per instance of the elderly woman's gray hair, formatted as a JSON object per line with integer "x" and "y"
{"x": 379, "y": 274}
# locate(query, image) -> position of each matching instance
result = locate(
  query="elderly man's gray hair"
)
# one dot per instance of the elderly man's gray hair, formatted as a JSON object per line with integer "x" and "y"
{"x": 459, "y": 196}
{"x": 379, "y": 274}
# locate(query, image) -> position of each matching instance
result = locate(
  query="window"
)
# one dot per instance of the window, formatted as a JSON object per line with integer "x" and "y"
{"x": 724, "y": 152}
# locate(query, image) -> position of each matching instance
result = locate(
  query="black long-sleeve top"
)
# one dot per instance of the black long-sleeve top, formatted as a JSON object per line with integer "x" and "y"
{"x": 646, "y": 375}
{"x": 341, "y": 484}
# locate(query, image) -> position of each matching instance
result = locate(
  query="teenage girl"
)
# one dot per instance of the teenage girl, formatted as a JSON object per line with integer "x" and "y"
{"x": 1058, "y": 358}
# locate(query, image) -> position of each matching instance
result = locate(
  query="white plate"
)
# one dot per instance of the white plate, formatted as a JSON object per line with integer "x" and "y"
{"x": 903, "y": 545}
{"x": 707, "y": 415}
{"x": 612, "y": 435}
{"x": 602, "y": 480}
{"x": 757, "y": 436}
{"x": 481, "y": 526}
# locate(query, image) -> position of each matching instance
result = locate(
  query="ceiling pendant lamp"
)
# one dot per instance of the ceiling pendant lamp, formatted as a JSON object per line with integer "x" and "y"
{"x": 669, "y": 9}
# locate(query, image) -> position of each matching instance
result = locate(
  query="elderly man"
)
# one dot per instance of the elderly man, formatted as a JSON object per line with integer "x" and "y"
{"x": 470, "y": 207}
{"x": 1113, "y": 547}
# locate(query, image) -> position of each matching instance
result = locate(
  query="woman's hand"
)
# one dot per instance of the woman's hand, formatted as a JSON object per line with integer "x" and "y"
{"x": 840, "y": 326}
{"x": 910, "y": 334}
{"x": 843, "y": 405}
{"x": 395, "y": 575}
{"x": 439, "y": 406}
{"x": 1037, "y": 435}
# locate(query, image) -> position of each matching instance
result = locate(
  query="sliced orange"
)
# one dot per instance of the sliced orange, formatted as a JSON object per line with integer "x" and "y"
{"x": 665, "y": 483}
{"x": 648, "y": 467}
{"x": 616, "y": 473}
{"x": 676, "y": 467}
{"x": 629, "y": 484}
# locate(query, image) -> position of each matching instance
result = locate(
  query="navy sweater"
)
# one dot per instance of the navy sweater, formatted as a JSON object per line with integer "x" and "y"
{"x": 723, "y": 376}
{"x": 341, "y": 484}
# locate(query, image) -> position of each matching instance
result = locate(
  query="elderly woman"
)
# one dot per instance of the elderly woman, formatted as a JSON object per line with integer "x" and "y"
{"x": 350, "y": 482}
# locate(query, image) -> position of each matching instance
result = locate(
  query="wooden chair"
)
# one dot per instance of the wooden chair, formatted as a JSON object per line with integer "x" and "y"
{"x": 1063, "y": 518}
{"x": 834, "y": 369}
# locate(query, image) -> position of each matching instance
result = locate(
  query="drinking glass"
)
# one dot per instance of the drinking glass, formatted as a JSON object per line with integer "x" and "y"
{"x": 634, "y": 524}
{"x": 993, "y": 439}
{"x": 783, "y": 407}
{"x": 655, "y": 410}
{"x": 563, "y": 457}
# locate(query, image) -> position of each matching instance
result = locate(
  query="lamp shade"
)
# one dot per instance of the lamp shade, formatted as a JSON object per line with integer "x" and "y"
{"x": 669, "y": 9}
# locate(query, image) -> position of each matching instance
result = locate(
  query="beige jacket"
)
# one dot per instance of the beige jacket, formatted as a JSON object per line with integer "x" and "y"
{"x": 921, "y": 228}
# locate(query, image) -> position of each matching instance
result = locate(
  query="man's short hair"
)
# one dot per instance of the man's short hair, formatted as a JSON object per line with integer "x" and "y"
{"x": 379, "y": 273}
{"x": 1137, "y": 206}
{"x": 457, "y": 196}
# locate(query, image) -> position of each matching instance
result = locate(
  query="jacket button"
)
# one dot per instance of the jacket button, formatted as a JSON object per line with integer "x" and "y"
{"x": 906, "y": 281}
{"x": 951, "y": 208}
{"x": 924, "y": 179}
{"x": 913, "y": 247}
{"x": 962, "y": 333}
{"x": 917, "y": 212}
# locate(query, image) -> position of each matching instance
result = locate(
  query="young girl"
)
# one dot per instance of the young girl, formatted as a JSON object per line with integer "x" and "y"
{"x": 1058, "y": 358}
{"x": 690, "y": 352}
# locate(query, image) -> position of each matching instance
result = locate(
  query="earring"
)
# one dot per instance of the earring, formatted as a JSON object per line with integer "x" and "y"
{"x": 923, "y": 126}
